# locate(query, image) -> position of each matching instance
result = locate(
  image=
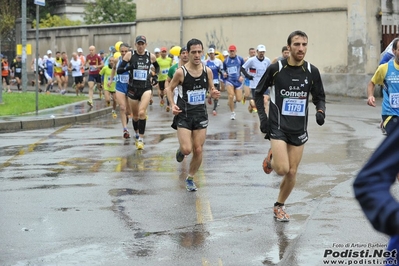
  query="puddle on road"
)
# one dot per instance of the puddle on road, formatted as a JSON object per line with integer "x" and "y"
{"x": 284, "y": 238}
{"x": 191, "y": 239}
{"x": 118, "y": 192}
{"x": 62, "y": 186}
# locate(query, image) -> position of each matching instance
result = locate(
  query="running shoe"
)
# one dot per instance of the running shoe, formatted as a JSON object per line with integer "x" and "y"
{"x": 113, "y": 114}
{"x": 162, "y": 103}
{"x": 140, "y": 145}
{"x": 63, "y": 92}
{"x": 179, "y": 156}
{"x": 233, "y": 116}
{"x": 136, "y": 139}
{"x": 254, "y": 110}
{"x": 167, "y": 108}
{"x": 209, "y": 100}
{"x": 250, "y": 109}
{"x": 243, "y": 100}
{"x": 190, "y": 185}
{"x": 126, "y": 134}
{"x": 280, "y": 214}
{"x": 90, "y": 103}
{"x": 267, "y": 163}
{"x": 214, "y": 113}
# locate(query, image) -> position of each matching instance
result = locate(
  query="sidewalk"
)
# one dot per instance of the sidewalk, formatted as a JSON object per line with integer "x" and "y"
{"x": 55, "y": 117}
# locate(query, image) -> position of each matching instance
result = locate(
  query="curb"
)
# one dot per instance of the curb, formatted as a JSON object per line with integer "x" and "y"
{"x": 15, "y": 126}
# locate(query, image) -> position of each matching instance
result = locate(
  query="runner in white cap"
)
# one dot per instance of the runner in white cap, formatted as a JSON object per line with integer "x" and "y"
{"x": 256, "y": 66}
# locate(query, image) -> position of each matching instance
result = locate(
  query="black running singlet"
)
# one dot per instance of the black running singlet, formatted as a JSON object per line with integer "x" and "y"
{"x": 140, "y": 74}
{"x": 192, "y": 93}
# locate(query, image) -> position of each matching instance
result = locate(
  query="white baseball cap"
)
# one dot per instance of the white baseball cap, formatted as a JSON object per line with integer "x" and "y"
{"x": 211, "y": 51}
{"x": 49, "y": 52}
{"x": 157, "y": 50}
{"x": 261, "y": 48}
{"x": 225, "y": 53}
{"x": 80, "y": 50}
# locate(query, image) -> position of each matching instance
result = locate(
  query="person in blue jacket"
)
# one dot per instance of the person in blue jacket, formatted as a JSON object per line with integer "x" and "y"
{"x": 372, "y": 190}
{"x": 387, "y": 55}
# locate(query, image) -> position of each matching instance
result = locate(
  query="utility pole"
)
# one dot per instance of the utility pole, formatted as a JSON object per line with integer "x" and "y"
{"x": 24, "y": 55}
{"x": 37, "y": 3}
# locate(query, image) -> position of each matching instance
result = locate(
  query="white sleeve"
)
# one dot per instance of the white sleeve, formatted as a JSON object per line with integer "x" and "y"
{"x": 247, "y": 64}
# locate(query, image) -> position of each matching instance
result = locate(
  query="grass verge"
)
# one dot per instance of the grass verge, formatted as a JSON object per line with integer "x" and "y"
{"x": 22, "y": 103}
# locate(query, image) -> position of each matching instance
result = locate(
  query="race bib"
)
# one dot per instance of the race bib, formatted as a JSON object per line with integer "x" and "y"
{"x": 394, "y": 100}
{"x": 294, "y": 107}
{"x": 93, "y": 68}
{"x": 196, "y": 97}
{"x": 124, "y": 78}
{"x": 113, "y": 80}
{"x": 165, "y": 71}
{"x": 139, "y": 74}
{"x": 18, "y": 70}
{"x": 232, "y": 70}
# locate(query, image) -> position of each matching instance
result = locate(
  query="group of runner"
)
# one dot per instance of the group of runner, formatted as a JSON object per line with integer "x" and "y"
{"x": 230, "y": 71}
{"x": 198, "y": 77}
{"x": 11, "y": 72}
{"x": 192, "y": 80}
{"x": 56, "y": 70}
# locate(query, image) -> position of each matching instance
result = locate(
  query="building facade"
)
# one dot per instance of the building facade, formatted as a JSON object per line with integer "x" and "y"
{"x": 72, "y": 9}
{"x": 344, "y": 35}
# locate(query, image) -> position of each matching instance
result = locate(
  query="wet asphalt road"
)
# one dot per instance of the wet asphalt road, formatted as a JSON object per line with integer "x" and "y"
{"x": 81, "y": 195}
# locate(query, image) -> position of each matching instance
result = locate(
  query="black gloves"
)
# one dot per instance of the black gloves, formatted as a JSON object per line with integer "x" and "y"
{"x": 154, "y": 80}
{"x": 320, "y": 117}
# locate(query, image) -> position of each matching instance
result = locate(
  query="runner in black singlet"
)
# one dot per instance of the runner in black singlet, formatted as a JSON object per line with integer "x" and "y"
{"x": 292, "y": 80}
{"x": 191, "y": 117}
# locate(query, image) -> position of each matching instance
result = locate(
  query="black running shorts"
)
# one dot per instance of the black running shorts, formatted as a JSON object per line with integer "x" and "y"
{"x": 292, "y": 139}
{"x": 192, "y": 122}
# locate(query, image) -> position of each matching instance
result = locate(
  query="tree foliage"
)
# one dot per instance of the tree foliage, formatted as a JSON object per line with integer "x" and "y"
{"x": 55, "y": 21}
{"x": 9, "y": 12}
{"x": 105, "y": 11}
{"x": 43, "y": 10}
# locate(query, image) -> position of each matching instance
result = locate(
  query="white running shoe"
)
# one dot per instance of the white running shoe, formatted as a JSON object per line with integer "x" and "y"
{"x": 233, "y": 116}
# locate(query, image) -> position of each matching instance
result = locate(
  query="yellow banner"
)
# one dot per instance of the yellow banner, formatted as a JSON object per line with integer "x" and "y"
{"x": 28, "y": 49}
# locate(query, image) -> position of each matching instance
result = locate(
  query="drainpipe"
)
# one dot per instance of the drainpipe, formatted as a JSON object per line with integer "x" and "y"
{"x": 181, "y": 23}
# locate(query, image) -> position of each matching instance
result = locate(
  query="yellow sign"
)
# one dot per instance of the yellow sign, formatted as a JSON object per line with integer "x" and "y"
{"x": 28, "y": 49}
